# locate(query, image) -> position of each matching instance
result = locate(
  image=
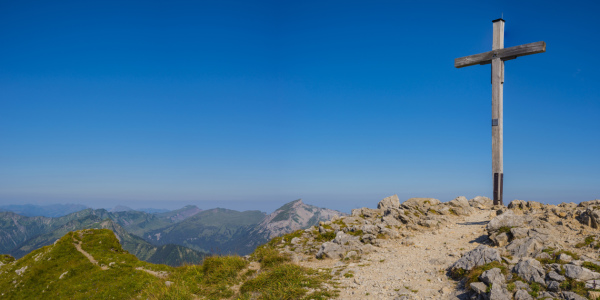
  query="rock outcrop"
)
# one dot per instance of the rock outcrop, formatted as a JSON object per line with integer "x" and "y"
{"x": 529, "y": 250}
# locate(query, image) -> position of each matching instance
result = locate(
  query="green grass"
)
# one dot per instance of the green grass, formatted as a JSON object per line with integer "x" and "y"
{"x": 269, "y": 257}
{"x": 218, "y": 277}
{"x": 511, "y": 287}
{"x": 504, "y": 229}
{"x": 535, "y": 289}
{"x": 574, "y": 286}
{"x": 356, "y": 233}
{"x": 592, "y": 266}
{"x": 287, "y": 281}
{"x": 473, "y": 274}
{"x": 341, "y": 223}
{"x": 212, "y": 280}
{"x": 5, "y": 258}
{"x": 81, "y": 279}
{"x": 323, "y": 237}
{"x": 554, "y": 256}
{"x": 588, "y": 240}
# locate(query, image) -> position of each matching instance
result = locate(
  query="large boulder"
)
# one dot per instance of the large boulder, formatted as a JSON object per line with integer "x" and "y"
{"x": 481, "y": 202}
{"x": 499, "y": 292}
{"x": 389, "y": 202}
{"x": 477, "y": 257}
{"x": 526, "y": 247}
{"x": 493, "y": 276}
{"x": 595, "y": 204}
{"x": 366, "y": 212}
{"x": 580, "y": 273}
{"x": 509, "y": 219}
{"x": 460, "y": 206}
{"x": 422, "y": 204}
{"x": 330, "y": 250}
{"x": 531, "y": 270}
{"x": 571, "y": 296}
{"x": 590, "y": 217}
{"x": 517, "y": 204}
{"x": 522, "y": 295}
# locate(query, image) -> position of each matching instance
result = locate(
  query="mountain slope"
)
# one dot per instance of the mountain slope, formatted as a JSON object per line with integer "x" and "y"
{"x": 215, "y": 230}
{"x": 134, "y": 244}
{"x": 224, "y": 231}
{"x": 20, "y": 235}
{"x": 288, "y": 218}
{"x": 293, "y": 216}
{"x": 179, "y": 215}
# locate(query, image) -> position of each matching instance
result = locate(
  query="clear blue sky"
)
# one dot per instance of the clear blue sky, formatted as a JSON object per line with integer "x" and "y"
{"x": 252, "y": 104}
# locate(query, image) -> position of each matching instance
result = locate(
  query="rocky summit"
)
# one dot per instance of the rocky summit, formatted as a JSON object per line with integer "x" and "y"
{"x": 423, "y": 248}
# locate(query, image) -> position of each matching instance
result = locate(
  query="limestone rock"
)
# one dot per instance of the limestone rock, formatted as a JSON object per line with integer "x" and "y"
{"x": 543, "y": 255}
{"x": 499, "y": 292}
{"x": 580, "y": 273}
{"x": 527, "y": 247}
{"x": 590, "y": 203}
{"x": 556, "y": 277}
{"x": 519, "y": 232}
{"x": 571, "y": 296}
{"x": 481, "y": 202}
{"x": 461, "y": 206}
{"x": 531, "y": 270}
{"x": 510, "y": 220}
{"x": 420, "y": 203}
{"x": 592, "y": 284}
{"x": 522, "y": 295}
{"x": 493, "y": 276}
{"x": 389, "y": 202}
{"x": 500, "y": 240}
{"x": 477, "y": 257}
{"x": 565, "y": 257}
{"x": 520, "y": 285}
{"x": 517, "y": 204}
{"x": 554, "y": 286}
{"x": 330, "y": 250}
{"x": 591, "y": 217}
{"x": 479, "y": 287}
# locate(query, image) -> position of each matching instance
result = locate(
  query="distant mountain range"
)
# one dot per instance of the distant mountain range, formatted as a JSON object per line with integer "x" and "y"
{"x": 20, "y": 235}
{"x": 173, "y": 237}
{"x": 51, "y": 211}
{"x": 225, "y": 231}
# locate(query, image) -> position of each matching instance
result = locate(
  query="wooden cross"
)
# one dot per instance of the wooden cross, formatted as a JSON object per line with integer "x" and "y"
{"x": 496, "y": 57}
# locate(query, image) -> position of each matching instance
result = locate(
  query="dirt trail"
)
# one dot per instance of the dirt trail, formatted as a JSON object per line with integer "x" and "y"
{"x": 158, "y": 274}
{"x": 89, "y": 257}
{"x": 414, "y": 266}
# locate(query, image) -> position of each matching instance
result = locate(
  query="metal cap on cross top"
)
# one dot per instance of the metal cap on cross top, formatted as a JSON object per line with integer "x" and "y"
{"x": 497, "y": 57}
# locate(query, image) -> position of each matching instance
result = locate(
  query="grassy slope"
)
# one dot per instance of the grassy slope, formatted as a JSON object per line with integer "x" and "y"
{"x": 222, "y": 277}
{"x": 82, "y": 279}
{"x": 167, "y": 254}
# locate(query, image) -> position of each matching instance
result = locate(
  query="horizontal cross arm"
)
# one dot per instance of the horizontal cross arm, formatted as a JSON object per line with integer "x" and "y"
{"x": 504, "y": 54}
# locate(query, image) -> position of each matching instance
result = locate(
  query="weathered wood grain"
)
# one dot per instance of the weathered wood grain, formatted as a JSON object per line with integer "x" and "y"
{"x": 504, "y": 54}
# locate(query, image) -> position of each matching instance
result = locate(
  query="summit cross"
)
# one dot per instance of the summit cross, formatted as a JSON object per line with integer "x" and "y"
{"x": 496, "y": 57}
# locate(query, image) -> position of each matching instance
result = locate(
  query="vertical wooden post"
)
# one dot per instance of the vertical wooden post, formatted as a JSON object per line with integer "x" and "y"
{"x": 497, "y": 122}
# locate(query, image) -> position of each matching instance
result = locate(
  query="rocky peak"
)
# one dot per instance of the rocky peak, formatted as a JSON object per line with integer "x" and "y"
{"x": 293, "y": 216}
